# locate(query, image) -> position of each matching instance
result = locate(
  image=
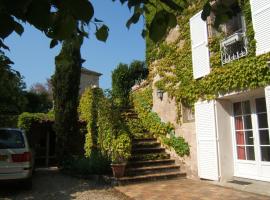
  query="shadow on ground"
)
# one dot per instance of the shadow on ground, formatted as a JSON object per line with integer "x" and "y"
{"x": 54, "y": 185}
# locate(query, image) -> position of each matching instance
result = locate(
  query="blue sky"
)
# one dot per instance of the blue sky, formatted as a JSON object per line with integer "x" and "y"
{"x": 35, "y": 60}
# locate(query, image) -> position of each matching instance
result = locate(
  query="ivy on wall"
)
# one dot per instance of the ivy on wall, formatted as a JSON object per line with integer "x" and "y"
{"x": 173, "y": 64}
{"x": 143, "y": 103}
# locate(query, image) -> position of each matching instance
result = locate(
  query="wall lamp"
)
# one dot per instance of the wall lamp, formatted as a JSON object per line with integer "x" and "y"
{"x": 160, "y": 94}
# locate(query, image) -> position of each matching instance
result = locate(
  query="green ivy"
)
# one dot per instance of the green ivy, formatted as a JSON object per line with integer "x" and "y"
{"x": 174, "y": 64}
{"x": 25, "y": 120}
{"x": 143, "y": 102}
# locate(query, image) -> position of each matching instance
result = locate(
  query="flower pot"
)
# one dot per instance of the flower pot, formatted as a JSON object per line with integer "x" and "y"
{"x": 118, "y": 169}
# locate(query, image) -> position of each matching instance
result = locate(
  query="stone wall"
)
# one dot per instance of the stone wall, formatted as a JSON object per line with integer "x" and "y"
{"x": 88, "y": 80}
{"x": 167, "y": 111}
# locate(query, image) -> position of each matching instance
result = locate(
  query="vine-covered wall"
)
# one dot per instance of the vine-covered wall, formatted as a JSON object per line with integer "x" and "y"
{"x": 173, "y": 63}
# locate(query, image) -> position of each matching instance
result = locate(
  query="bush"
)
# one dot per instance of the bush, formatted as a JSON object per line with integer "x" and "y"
{"x": 121, "y": 148}
{"x": 8, "y": 121}
{"x": 179, "y": 144}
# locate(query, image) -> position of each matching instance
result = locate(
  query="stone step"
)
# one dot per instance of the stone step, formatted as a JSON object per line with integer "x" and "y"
{"x": 143, "y": 140}
{"x": 146, "y": 145}
{"x": 146, "y": 163}
{"x": 151, "y": 156}
{"x": 150, "y": 177}
{"x": 148, "y": 150}
{"x": 135, "y": 171}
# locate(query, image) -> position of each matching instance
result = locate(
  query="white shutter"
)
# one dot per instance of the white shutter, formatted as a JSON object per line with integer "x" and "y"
{"x": 260, "y": 18}
{"x": 199, "y": 42}
{"x": 206, "y": 140}
{"x": 267, "y": 100}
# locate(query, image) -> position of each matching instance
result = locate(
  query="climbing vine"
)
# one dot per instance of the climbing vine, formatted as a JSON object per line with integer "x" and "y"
{"x": 173, "y": 63}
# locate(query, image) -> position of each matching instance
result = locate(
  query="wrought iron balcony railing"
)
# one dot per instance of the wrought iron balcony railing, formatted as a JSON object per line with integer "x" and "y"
{"x": 234, "y": 47}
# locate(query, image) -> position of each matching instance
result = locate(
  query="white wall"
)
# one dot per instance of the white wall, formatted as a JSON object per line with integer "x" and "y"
{"x": 225, "y": 148}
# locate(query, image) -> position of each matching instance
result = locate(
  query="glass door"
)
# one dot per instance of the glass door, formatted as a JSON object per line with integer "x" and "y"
{"x": 244, "y": 131}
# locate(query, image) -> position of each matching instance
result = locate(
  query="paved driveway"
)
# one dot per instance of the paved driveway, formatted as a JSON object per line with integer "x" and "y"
{"x": 185, "y": 189}
{"x": 49, "y": 185}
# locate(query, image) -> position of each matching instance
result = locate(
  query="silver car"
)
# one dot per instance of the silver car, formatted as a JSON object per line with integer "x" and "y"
{"x": 15, "y": 156}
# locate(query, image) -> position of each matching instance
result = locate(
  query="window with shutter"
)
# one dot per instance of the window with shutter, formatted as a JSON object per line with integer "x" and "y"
{"x": 199, "y": 44}
{"x": 260, "y": 19}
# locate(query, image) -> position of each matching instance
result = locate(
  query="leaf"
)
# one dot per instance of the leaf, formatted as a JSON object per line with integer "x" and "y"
{"x": 18, "y": 28}
{"x": 38, "y": 14}
{"x": 53, "y": 43}
{"x": 133, "y": 20}
{"x": 7, "y": 25}
{"x": 97, "y": 20}
{"x": 64, "y": 28}
{"x": 2, "y": 45}
{"x": 206, "y": 10}
{"x": 144, "y": 32}
{"x": 171, "y": 4}
{"x": 81, "y": 9}
{"x": 102, "y": 33}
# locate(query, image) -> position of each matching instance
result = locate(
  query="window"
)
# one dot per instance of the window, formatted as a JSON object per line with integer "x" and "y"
{"x": 243, "y": 131}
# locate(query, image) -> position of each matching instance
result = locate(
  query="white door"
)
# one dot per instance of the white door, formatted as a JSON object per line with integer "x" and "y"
{"x": 251, "y": 139}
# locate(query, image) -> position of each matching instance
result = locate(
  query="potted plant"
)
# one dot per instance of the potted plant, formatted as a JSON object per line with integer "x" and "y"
{"x": 121, "y": 148}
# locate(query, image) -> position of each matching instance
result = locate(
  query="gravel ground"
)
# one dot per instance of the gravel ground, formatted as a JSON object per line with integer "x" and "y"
{"x": 54, "y": 185}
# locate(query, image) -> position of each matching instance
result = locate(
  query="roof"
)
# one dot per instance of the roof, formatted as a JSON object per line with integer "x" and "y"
{"x": 87, "y": 71}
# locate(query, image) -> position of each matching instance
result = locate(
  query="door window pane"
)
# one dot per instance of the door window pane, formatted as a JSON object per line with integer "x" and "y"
{"x": 241, "y": 154}
{"x": 237, "y": 108}
{"x": 247, "y": 122}
{"x": 240, "y": 139}
{"x": 238, "y": 123}
{"x": 250, "y": 153}
{"x": 246, "y": 107}
{"x": 262, "y": 119}
{"x": 249, "y": 137}
{"x": 264, "y": 137}
{"x": 265, "y": 152}
{"x": 260, "y": 105}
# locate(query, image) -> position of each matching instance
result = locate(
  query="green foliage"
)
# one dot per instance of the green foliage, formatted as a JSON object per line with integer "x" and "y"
{"x": 8, "y": 121}
{"x": 175, "y": 64}
{"x": 124, "y": 77}
{"x": 107, "y": 133}
{"x": 26, "y": 120}
{"x": 136, "y": 128}
{"x": 121, "y": 84}
{"x": 121, "y": 148}
{"x": 179, "y": 144}
{"x": 66, "y": 81}
{"x": 90, "y": 103}
{"x": 96, "y": 164}
{"x": 37, "y": 102}
{"x": 12, "y": 100}
{"x": 142, "y": 101}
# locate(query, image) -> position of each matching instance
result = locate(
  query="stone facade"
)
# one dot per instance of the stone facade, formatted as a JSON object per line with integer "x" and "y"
{"x": 166, "y": 108}
{"x": 88, "y": 79}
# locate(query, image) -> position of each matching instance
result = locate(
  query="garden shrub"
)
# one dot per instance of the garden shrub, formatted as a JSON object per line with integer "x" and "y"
{"x": 106, "y": 132}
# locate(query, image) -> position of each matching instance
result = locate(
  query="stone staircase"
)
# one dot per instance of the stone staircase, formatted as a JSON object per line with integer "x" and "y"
{"x": 149, "y": 161}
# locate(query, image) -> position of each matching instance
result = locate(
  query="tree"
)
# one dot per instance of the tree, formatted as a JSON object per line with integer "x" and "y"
{"x": 124, "y": 77}
{"x": 65, "y": 83}
{"x": 58, "y": 19}
{"x": 12, "y": 100}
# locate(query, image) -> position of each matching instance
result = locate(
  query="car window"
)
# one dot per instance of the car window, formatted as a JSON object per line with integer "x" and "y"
{"x": 11, "y": 139}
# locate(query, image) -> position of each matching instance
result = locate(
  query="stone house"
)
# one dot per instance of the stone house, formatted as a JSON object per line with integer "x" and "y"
{"x": 228, "y": 126}
{"x": 89, "y": 78}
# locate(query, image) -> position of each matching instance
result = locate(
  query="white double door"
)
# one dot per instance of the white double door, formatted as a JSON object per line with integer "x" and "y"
{"x": 251, "y": 139}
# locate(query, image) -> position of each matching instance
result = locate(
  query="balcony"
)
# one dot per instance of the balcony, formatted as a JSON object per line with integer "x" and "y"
{"x": 233, "y": 47}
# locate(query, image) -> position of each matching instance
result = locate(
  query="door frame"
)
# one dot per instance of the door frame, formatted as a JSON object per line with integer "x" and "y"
{"x": 257, "y": 163}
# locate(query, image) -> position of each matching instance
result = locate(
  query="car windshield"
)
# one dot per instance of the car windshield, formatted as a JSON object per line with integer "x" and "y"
{"x": 11, "y": 139}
